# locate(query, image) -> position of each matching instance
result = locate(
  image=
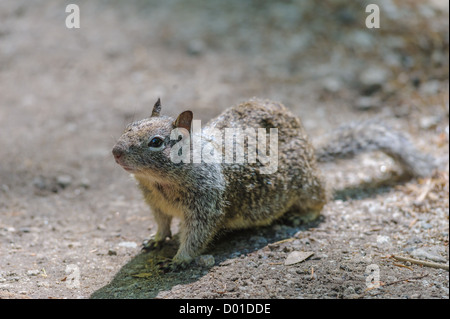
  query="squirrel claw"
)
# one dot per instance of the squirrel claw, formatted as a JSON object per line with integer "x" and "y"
{"x": 151, "y": 244}
{"x": 164, "y": 265}
{"x": 169, "y": 265}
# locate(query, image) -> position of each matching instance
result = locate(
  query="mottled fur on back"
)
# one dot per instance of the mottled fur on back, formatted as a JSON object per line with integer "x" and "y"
{"x": 258, "y": 199}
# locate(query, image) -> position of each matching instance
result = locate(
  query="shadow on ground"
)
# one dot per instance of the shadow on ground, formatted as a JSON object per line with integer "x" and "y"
{"x": 370, "y": 189}
{"x": 141, "y": 277}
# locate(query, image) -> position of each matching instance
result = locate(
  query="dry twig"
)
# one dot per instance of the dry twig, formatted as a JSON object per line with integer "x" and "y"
{"x": 403, "y": 280}
{"x": 426, "y": 189}
{"x": 403, "y": 266}
{"x": 421, "y": 262}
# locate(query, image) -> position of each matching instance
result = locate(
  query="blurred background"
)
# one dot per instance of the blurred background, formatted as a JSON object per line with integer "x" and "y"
{"x": 67, "y": 94}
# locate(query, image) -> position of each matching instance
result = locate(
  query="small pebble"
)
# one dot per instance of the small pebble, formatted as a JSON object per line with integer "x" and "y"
{"x": 383, "y": 239}
{"x": 112, "y": 252}
{"x": 349, "y": 291}
{"x": 128, "y": 244}
{"x": 64, "y": 180}
{"x": 366, "y": 103}
{"x": 33, "y": 272}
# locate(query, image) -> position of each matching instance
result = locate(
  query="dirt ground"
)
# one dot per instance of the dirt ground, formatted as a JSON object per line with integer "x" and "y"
{"x": 72, "y": 221}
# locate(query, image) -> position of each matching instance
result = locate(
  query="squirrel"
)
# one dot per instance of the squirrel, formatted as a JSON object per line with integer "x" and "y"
{"x": 212, "y": 196}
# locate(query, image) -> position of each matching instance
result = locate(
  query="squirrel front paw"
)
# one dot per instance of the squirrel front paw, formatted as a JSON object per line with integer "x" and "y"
{"x": 152, "y": 244}
{"x": 172, "y": 265}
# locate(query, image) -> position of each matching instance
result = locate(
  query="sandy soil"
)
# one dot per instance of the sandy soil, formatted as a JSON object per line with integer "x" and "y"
{"x": 72, "y": 221}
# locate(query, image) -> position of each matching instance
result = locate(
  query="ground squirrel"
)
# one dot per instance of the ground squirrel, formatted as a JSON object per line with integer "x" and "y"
{"x": 213, "y": 195}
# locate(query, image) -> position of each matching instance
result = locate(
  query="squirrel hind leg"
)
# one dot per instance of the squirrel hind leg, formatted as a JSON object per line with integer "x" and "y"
{"x": 307, "y": 214}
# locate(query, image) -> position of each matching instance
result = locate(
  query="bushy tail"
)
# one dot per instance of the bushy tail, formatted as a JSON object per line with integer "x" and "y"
{"x": 354, "y": 138}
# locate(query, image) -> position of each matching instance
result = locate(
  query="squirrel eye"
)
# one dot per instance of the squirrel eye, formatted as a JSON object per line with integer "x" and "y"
{"x": 155, "y": 142}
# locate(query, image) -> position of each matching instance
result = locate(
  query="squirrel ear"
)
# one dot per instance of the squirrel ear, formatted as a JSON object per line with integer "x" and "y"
{"x": 156, "y": 108}
{"x": 184, "y": 120}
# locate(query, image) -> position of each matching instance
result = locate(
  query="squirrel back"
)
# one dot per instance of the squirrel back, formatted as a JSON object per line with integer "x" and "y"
{"x": 256, "y": 197}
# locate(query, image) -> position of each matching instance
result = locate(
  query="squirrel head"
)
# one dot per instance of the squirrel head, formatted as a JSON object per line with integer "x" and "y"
{"x": 144, "y": 147}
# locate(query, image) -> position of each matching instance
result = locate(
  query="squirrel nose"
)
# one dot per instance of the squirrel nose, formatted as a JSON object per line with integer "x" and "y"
{"x": 118, "y": 151}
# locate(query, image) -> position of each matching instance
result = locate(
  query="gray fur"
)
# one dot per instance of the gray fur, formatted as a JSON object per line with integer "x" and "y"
{"x": 373, "y": 135}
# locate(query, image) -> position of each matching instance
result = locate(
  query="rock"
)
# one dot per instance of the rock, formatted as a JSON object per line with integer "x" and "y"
{"x": 360, "y": 39}
{"x": 205, "y": 261}
{"x": 64, "y": 180}
{"x": 373, "y": 79}
{"x": 297, "y": 257}
{"x": 414, "y": 240}
{"x": 431, "y": 87}
{"x": 128, "y": 244}
{"x": 374, "y": 75}
{"x": 366, "y": 103}
{"x": 332, "y": 84}
{"x": 349, "y": 291}
{"x": 196, "y": 47}
{"x": 392, "y": 60}
{"x": 33, "y": 272}
{"x": 273, "y": 247}
{"x": 44, "y": 185}
{"x": 39, "y": 182}
{"x": 429, "y": 122}
{"x": 112, "y": 252}
{"x": 287, "y": 249}
{"x": 426, "y": 225}
{"x": 85, "y": 183}
{"x": 383, "y": 240}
